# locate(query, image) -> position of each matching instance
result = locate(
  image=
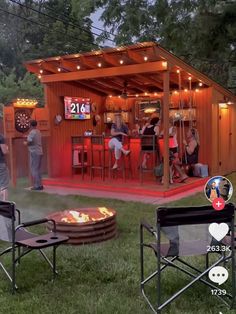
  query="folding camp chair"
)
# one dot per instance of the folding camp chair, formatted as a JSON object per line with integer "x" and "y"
{"x": 23, "y": 241}
{"x": 186, "y": 230}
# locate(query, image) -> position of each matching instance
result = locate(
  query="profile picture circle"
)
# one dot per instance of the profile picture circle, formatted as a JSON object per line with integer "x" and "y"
{"x": 218, "y": 186}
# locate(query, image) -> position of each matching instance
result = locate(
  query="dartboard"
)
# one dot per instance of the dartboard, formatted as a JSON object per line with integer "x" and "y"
{"x": 22, "y": 120}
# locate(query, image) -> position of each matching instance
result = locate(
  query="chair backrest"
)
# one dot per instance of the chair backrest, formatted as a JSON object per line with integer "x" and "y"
{"x": 77, "y": 140}
{"x": 97, "y": 140}
{"x": 177, "y": 216}
{"x": 7, "y": 219}
{"x": 148, "y": 141}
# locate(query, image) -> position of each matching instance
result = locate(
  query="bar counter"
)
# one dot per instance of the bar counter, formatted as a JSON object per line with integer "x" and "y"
{"x": 134, "y": 146}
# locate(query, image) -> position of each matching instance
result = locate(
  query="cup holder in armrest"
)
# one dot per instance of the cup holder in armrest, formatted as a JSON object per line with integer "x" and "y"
{"x": 41, "y": 241}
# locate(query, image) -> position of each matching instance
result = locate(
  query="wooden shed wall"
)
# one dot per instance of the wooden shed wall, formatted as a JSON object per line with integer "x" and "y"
{"x": 223, "y": 136}
{"x": 60, "y": 139}
{"x": 202, "y": 101}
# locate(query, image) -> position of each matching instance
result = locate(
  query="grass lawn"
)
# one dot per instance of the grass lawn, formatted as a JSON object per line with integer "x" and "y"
{"x": 99, "y": 278}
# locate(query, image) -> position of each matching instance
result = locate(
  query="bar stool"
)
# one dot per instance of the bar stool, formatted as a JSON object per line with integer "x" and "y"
{"x": 125, "y": 164}
{"x": 79, "y": 154}
{"x": 97, "y": 155}
{"x": 149, "y": 145}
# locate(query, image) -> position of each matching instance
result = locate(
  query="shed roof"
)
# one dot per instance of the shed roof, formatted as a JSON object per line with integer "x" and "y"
{"x": 136, "y": 68}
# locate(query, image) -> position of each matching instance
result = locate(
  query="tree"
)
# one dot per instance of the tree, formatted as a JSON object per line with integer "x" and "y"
{"x": 27, "y": 87}
{"x": 40, "y": 28}
{"x": 202, "y": 32}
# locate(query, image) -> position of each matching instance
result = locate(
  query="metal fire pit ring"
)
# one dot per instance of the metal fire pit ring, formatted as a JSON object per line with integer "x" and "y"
{"x": 85, "y": 225}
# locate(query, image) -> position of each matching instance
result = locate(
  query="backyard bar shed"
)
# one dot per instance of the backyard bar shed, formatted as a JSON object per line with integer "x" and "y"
{"x": 120, "y": 78}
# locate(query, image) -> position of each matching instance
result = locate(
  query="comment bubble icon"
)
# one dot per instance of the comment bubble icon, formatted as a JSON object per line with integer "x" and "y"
{"x": 218, "y": 275}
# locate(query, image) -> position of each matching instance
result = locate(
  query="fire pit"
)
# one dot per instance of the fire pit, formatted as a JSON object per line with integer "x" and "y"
{"x": 85, "y": 225}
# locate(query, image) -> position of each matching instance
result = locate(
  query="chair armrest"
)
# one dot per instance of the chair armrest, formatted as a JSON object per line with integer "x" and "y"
{"x": 36, "y": 222}
{"x": 148, "y": 227}
{"x": 19, "y": 215}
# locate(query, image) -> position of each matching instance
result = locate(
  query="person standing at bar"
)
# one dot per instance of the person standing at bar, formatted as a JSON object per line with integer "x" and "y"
{"x": 150, "y": 128}
{"x": 34, "y": 143}
{"x": 118, "y": 130}
{"x": 4, "y": 172}
{"x": 174, "y": 153}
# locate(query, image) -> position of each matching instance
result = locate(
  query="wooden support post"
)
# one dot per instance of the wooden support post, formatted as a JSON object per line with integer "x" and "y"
{"x": 166, "y": 101}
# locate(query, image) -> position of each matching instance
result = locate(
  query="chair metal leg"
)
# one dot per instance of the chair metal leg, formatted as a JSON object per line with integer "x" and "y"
{"x": 54, "y": 262}
{"x": 13, "y": 270}
{"x": 8, "y": 275}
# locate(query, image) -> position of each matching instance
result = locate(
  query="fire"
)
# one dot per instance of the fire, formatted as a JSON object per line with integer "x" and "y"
{"x": 78, "y": 216}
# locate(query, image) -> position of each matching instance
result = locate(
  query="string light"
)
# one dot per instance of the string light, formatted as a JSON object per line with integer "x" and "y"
{"x": 59, "y": 69}
{"x": 41, "y": 71}
{"x": 78, "y": 67}
{"x": 200, "y": 84}
{"x": 136, "y": 95}
{"x": 185, "y": 89}
{"x": 99, "y": 64}
{"x": 155, "y": 94}
{"x": 178, "y": 71}
{"x": 27, "y": 103}
{"x": 110, "y": 96}
{"x": 145, "y": 58}
{"x": 190, "y": 78}
{"x": 196, "y": 90}
{"x": 175, "y": 92}
{"x": 164, "y": 64}
{"x": 145, "y": 93}
{"x": 39, "y": 76}
{"x": 121, "y": 61}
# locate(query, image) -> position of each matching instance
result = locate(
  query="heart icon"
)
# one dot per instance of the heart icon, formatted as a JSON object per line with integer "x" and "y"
{"x": 218, "y": 231}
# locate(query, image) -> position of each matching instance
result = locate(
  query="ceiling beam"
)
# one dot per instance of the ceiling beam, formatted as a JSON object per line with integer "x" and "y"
{"x": 87, "y": 86}
{"x": 111, "y": 84}
{"x": 150, "y": 81}
{"x": 68, "y": 65}
{"x": 110, "y": 59}
{"x": 98, "y": 86}
{"x": 134, "y": 56}
{"x": 33, "y": 68}
{"x": 106, "y": 72}
{"x": 49, "y": 67}
{"x": 137, "y": 85}
{"x": 88, "y": 63}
